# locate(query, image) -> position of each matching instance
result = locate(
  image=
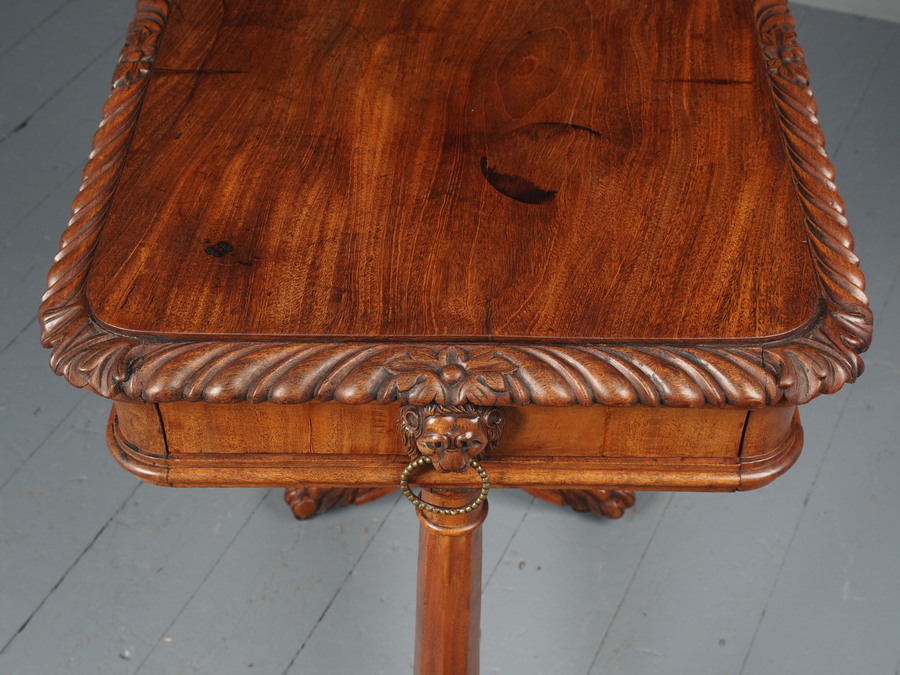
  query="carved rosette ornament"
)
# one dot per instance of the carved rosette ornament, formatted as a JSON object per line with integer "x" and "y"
{"x": 139, "y": 51}
{"x": 450, "y": 375}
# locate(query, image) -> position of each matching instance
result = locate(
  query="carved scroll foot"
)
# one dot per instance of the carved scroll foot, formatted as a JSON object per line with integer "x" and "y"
{"x": 601, "y": 503}
{"x": 310, "y": 502}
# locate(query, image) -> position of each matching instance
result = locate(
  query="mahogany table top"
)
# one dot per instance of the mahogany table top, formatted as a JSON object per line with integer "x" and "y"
{"x": 615, "y": 202}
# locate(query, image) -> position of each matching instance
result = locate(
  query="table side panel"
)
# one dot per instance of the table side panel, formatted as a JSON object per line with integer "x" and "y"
{"x": 331, "y": 444}
{"x": 142, "y": 425}
{"x": 530, "y": 431}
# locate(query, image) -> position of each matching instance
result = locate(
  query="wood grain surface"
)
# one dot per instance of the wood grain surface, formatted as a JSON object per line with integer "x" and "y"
{"x": 580, "y": 170}
{"x": 734, "y": 280}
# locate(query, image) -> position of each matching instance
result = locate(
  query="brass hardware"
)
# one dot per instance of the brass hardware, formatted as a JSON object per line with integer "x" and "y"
{"x": 431, "y": 508}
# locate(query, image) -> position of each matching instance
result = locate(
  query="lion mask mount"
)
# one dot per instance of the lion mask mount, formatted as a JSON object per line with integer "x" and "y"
{"x": 452, "y": 436}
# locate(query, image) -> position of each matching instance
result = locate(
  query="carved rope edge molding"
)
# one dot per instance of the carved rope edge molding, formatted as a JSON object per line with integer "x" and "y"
{"x": 817, "y": 360}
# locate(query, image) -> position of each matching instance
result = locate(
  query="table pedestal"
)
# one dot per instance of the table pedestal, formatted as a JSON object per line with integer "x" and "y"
{"x": 448, "y": 596}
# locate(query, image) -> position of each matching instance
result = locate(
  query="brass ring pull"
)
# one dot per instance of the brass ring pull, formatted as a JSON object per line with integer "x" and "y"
{"x": 431, "y": 508}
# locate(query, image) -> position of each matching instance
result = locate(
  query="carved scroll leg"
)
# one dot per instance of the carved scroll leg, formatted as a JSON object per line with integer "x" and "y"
{"x": 309, "y": 502}
{"x": 448, "y": 612}
{"x": 601, "y": 503}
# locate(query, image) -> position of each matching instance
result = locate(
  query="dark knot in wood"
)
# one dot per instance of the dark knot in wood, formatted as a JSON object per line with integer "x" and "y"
{"x": 451, "y": 435}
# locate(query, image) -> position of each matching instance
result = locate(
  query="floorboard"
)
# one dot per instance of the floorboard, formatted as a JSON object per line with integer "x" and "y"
{"x": 271, "y": 590}
{"x": 24, "y": 17}
{"x": 52, "y": 511}
{"x": 560, "y": 586}
{"x": 48, "y": 58}
{"x": 839, "y": 577}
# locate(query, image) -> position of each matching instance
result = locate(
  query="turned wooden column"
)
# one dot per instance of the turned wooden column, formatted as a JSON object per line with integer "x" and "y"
{"x": 448, "y": 596}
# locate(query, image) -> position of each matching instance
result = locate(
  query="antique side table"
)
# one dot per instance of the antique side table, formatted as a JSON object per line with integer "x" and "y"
{"x": 580, "y": 248}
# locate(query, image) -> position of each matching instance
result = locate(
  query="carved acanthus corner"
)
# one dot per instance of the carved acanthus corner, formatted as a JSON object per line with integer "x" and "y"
{"x": 600, "y": 503}
{"x": 308, "y": 502}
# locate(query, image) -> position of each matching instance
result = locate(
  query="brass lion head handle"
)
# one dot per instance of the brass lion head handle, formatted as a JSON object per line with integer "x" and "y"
{"x": 450, "y": 436}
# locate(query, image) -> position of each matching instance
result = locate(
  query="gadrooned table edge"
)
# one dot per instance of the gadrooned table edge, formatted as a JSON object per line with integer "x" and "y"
{"x": 816, "y": 359}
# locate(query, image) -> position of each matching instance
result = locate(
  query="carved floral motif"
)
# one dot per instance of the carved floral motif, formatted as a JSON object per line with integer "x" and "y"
{"x": 783, "y": 55}
{"x": 450, "y": 375}
{"x": 816, "y": 359}
{"x": 137, "y": 56}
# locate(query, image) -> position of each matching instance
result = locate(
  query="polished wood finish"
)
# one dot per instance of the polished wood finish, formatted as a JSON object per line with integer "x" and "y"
{"x": 614, "y": 222}
{"x": 532, "y": 431}
{"x": 244, "y": 232}
{"x": 322, "y": 205}
{"x": 448, "y": 593}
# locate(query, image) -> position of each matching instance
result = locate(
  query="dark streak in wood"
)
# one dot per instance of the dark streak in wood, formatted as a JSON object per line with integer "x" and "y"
{"x": 515, "y": 187}
{"x": 707, "y": 81}
{"x": 195, "y": 71}
{"x": 220, "y": 249}
{"x": 579, "y": 127}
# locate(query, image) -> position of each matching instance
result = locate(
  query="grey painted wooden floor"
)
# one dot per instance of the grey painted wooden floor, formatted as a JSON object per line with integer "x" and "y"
{"x": 102, "y": 574}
